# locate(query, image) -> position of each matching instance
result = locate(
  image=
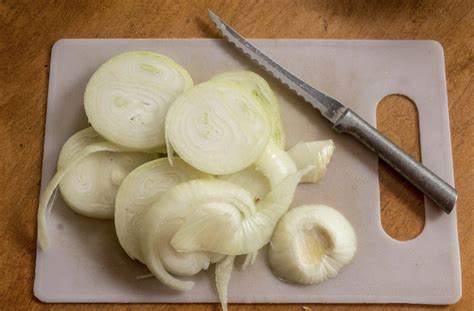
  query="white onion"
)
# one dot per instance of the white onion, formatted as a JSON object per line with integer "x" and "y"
{"x": 45, "y": 201}
{"x": 311, "y": 244}
{"x": 217, "y": 127}
{"x": 90, "y": 186}
{"x": 171, "y": 211}
{"x": 224, "y": 229}
{"x": 317, "y": 153}
{"x": 223, "y": 273}
{"x": 260, "y": 88}
{"x": 127, "y": 98}
{"x": 140, "y": 189}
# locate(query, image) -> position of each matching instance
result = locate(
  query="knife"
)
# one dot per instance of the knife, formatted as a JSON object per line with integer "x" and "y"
{"x": 345, "y": 120}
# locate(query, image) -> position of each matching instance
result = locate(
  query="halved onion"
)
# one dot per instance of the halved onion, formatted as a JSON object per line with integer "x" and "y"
{"x": 311, "y": 244}
{"x": 139, "y": 190}
{"x": 127, "y": 98}
{"x": 218, "y": 127}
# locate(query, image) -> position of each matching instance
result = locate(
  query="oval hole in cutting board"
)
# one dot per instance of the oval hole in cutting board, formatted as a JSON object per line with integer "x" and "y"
{"x": 402, "y": 205}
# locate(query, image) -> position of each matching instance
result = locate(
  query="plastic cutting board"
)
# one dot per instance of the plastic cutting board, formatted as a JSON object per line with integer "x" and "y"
{"x": 86, "y": 264}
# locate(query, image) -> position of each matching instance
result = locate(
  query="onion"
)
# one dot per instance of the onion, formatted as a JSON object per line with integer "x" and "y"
{"x": 172, "y": 209}
{"x": 317, "y": 153}
{"x": 90, "y": 185}
{"x": 260, "y": 88}
{"x": 223, "y": 273}
{"x": 140, "y": 189}
{"x": 127, "y": 98}
{"x": 311, "y": 244}
{"x": 45, "y": 202}
{"x": 224, "y": 229}
{"x": 217, "y": 127}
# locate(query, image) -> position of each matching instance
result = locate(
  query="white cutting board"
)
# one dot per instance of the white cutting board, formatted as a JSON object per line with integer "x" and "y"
{"x": 86, "y": 264}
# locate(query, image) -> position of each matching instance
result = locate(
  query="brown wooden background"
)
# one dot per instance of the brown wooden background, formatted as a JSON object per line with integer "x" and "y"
{"x": 28, "y": 29}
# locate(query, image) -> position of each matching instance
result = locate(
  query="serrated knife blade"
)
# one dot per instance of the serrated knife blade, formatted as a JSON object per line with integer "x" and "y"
{"x": 344, "y": 120}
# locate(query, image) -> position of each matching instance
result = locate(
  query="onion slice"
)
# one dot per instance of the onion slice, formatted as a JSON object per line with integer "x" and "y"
{"x": 223, "y": 273}
{"x": 317, "y": 153}
{"x": 90, "y": 186}
{"x": 311, "y": 244}
{"x": 139, "y": 190}
{"x": 45, "y": 198}
{"x": 127, "y": 98}
{"x": 225, "y": 230}
{"x": 260, "y": 88}
{"x": 172, "y": 209}
{"x": 217, "y": 127}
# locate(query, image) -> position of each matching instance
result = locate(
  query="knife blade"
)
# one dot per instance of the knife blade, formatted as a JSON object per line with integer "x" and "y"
{"x": 345, "y": 120}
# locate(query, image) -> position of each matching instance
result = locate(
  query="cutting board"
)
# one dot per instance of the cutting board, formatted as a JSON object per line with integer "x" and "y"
{"x": 86, "y": 264}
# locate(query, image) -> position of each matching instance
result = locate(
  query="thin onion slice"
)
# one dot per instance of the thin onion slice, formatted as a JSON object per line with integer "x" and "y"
{"x": 249, "y": 260}
{"x": 45, "y": 198}
{"x": 251, "y": 180}
{"x": 171, "y": 210}
{"x": 260, "y": 88}
{"x": 90, "y": 186}
{"x": 225, "y": 230}
{"x": 275, "y": 164}
{"x": 217, "y": 127}
{"x": 311, "y": 244}
{"x": 317, "y": 153}
{"x": 223, "y": 273}
{"x": 139, "y": 190}
{"x": 127, "y": 98}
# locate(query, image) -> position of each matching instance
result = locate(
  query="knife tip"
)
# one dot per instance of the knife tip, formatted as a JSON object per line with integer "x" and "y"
{"x": 213, "y": 16}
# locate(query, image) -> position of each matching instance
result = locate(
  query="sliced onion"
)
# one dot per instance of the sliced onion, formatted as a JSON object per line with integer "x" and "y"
{"x": 311, "y": 244}
{"x": 127, "y": 98}
{"x": 317, "y": 153}
{"x": 218, "y": 127}
{"x": 275, "y": 164}
{"x": 251, "y": 180}
{"x": 260, "y": 88}
{"x": 172, "y": 209}
{"x": 249, "y": 260}
{"x": 224, "y": 230}
{"x": 223, "y": 273}
{"x": 90, "y": 185}
{"x": 140, "y": 189}
{"x": 45, "y": 198}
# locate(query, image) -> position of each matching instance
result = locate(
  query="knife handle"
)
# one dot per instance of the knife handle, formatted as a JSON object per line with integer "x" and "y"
{"x": 440, "y": 192}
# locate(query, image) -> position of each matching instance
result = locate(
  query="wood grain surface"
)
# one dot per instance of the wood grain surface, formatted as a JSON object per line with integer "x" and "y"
{"x": 28, "y": 30}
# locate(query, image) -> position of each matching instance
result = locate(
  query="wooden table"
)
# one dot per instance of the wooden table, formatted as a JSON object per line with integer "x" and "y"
{"x": 28, "y": 30}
